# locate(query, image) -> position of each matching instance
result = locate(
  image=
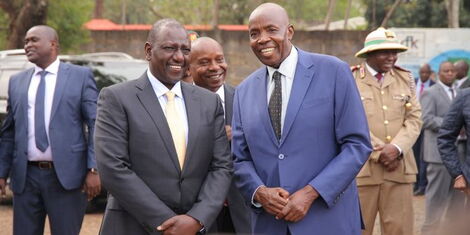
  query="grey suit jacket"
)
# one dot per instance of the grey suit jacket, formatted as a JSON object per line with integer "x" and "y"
{"x": 73, "y": 107}
{"x": 465, "y": 84}
{"x": 434, "y": 103}
{"x": 138, "y": 164}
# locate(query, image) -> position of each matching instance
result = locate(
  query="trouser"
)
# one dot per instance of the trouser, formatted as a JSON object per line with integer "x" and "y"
{"x": 44, "y": 195}
{"x": 393, "y": 201}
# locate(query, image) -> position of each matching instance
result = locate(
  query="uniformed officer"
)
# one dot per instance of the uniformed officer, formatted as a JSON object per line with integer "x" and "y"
{"x": 393, "y": 114}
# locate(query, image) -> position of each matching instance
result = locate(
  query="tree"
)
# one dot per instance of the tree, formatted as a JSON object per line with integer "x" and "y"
{"x": 22, "y": 16}
{"x": 331, "y": 8}
{"x": 452, "y": 7}
{"x": 66, "y": 16}
{"x": 389, "y": 13}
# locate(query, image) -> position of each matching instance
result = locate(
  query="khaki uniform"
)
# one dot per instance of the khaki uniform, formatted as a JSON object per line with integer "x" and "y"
{"x": 394, "y": 116}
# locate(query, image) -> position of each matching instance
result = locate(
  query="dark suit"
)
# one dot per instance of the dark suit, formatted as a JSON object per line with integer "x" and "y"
{"x": 238, "y": 213}
{"x": 435, "y": 104}
{"x": 74, "y": 105}
{"x": 421, "y": 181}
{"x": 138, "y": 162}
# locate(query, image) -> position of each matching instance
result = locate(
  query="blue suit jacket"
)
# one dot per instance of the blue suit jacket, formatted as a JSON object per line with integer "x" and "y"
{"x": 73, "y": 106}
{"x": 324, "y": 143}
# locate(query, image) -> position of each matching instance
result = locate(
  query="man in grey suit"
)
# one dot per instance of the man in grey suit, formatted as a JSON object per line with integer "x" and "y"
{"x": 161, "y": 145}
{"x": 208, "y": 69}
{"x": 435, "y": 103}
{"x": 44, "y": 146}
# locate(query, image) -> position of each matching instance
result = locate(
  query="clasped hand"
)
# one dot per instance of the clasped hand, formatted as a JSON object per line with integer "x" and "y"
{"x": 278, "y": 202}
{"x": 388, "y": 156}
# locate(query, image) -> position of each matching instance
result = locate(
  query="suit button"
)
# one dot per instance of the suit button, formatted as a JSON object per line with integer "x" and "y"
{"x": 384, "y": 107}
{"x": 281, "y": 156}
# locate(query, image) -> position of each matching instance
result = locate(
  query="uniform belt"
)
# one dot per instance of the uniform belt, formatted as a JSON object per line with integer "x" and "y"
{"x": 41, "y": 164}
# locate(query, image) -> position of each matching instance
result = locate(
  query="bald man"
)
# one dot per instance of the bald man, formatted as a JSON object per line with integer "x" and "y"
{"x": 461, "y": 69}
{"x": 208, "y": 68}
{"x": 44, "y": 146}
{"x": 299, "y": 135}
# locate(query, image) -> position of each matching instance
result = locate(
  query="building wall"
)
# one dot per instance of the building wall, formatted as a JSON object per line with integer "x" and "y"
{"x": 241, "y": 60}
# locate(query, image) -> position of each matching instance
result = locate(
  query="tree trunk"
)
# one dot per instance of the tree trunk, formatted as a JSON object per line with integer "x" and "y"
{"x": 98, "y": 13}
{"x": 389, "y": 13}
{"x": 374, "y": 14}
{"x": 215, "y": 21}
{"x": 21, "y": 18}
{"x": 331, "y": 7}
{"x": 347, "y": 13}
{"x": 452, "y": 7}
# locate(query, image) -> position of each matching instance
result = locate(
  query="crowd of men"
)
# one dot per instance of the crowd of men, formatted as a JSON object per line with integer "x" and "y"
{"x": 304, "y": 145}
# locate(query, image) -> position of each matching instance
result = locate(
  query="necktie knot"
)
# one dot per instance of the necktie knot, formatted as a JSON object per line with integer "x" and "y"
{"x": 170, "y": 96}
{"x": 276, "y": 76}
{"x": 379, "y": 76}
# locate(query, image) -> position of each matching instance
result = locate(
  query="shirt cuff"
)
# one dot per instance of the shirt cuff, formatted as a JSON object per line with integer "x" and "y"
{"x": 399, "y": 149}
{"x": 256, "y": 204}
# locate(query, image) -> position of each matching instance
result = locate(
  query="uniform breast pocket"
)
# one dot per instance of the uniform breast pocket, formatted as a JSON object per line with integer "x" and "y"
{"x": 368, "y": 102}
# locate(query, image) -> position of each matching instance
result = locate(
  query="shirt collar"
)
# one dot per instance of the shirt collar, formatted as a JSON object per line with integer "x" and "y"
{"x": 221, "y": 93}
{"x": 53, "y": 68}
{"x": 444, "y": 85}
{"x": 161, "y": 89}
{"x": 371, "y": 70}
{"x": 288, "y": 66}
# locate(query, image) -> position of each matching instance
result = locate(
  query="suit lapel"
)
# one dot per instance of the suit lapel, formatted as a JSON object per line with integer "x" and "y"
{"x": 303, "y": 77}
{"x": 193, "y": 112}
{"x": 149, "y": 100}
{"x": 261, "y": 102}
{"x": 443, "y": 93}
{"x": 388, "y": 79}
{"x": 229, "y": 93}
{"x": 369, "y": 79}
{"x": 62, "y": 78}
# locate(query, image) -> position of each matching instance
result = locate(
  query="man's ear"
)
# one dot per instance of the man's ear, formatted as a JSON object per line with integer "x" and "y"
{"x": 148, "y": 51}
{"x": 290, "y": 32}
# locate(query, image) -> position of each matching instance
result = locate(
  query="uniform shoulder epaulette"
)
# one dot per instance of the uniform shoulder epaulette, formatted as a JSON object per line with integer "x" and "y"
{"x": 355, "y": 67}
{"x": 401, "y": 68}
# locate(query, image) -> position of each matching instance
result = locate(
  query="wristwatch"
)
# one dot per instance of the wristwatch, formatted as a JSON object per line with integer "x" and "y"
{"x": 201, "y": 231}
{"x": 93, "y": 171}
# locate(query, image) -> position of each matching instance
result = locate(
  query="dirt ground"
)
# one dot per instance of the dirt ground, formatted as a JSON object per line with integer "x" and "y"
{"x": 92, "y": 221}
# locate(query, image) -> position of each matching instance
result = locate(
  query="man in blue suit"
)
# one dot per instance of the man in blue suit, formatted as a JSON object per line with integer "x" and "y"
{"x": 45, "y": 148}
{"x": 299, "y": 135}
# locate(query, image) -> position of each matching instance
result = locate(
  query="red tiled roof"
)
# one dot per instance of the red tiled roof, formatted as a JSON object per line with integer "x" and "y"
{"x": 107, "y": 25}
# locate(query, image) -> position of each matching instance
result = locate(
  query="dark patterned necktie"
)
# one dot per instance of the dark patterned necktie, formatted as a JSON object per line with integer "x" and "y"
{"x": 39, "y": 123}
{"x": 275, "y": 105}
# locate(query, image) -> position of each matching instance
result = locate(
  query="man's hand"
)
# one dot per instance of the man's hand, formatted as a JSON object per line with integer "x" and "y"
{"x": 180, "y": 225}
{"x": 298, "y": 204}
{"x": 392, "y": 165}
{"x": 3, "y": 188}
{"x": 461, "y": 184}
{"x": 228, "y": 130}
{"x": 92, "y": 185}
{"x": 389, "y": 153}
{"x": 273, "y": 200}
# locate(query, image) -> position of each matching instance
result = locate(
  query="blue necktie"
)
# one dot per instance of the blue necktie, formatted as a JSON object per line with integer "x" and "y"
{"x": 39, "y": 123}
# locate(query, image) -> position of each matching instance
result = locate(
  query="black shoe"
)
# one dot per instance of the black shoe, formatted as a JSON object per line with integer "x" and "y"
{"x": 419, "y": 192}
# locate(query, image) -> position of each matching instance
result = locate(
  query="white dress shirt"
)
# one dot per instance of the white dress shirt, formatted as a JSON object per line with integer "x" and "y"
{"x": 160, "y": 91}
{"x": 459, "y": 83}
{"x": 34, "y": 154}
{"x": 418, "y": 86}
{"x": 221, "y": 93}
{"x": 447, "y": 89}
{"x": 287, "y": 69}
{"x": 374, "y": 73}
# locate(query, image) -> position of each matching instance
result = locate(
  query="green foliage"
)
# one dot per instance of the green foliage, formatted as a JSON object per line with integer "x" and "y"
{"x": 416, "y": 13}
{"x": 3, "y": 29}
{"x": 301, "y": 12}
{"x": 68, "y": 17}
